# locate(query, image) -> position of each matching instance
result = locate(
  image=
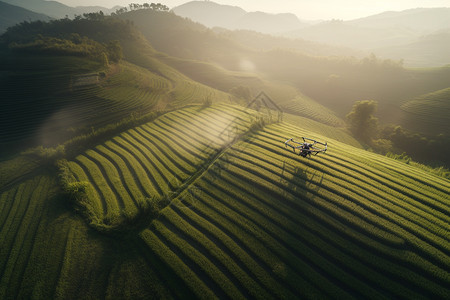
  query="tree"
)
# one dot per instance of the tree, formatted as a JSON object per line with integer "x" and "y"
{"x": 361, "y": 120}
{"x": 114, "y": 50}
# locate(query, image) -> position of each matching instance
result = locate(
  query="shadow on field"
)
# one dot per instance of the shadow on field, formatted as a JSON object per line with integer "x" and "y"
{"x": 298, "y": 181}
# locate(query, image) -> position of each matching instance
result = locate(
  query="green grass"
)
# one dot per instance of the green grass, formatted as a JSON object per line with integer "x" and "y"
{"x": 337, "y": 133}
{"x": 315, "y": 216}
{"x": 246, "y": 218}
{"x": 48, "y": 100}
{"x": 149, "y": 161}
{"x": 428, "y": 113}
{"x": 306, "y": 107}
{"x": 225, "y": 80}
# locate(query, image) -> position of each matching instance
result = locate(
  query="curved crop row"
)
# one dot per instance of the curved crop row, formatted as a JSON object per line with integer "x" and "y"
{"x": 318, "y": 227}
{"x": 150, "y": 161}
{"x": 303, "y": 106}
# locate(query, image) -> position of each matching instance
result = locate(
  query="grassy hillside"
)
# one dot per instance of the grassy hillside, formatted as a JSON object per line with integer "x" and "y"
{"x": 63, "y": 96}
{"x": 429, "y": 113}
{"x": 242, "y": 218}
{"x": 334, "y": 82}
{"x": 50, "y": 97}
{"x": 148, "y": 163}
{"x": 306, "y": 107}
{"x": 263, "y": 223}
{"x": 203, "y": 201}
{"x": 285, "y": 95}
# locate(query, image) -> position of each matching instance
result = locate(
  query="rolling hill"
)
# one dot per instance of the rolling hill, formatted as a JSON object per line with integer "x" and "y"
{"x": 429, "y": 50}
{"x": 56, "y": 9}
{"x": 424, "y": 20}
{"x": 165, "y": 187}
{"x": 49, "y": 99}
{"x": 415, "y": 36}
{"x": 429, "y": 113}
{"x": 241, "y": 216}
{"x": 336, "y": 82}
{"x": 213, "y": 14}
{"x": 400, "y": 35}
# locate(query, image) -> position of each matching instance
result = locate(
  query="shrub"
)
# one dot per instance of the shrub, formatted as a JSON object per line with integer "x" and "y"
{"x": 207, "y": 102}
{"x": 46, "y": 155}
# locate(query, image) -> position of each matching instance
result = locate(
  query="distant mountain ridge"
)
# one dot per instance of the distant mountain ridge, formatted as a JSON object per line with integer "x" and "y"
{"x": 212, "y": 14}
{"x": 55, "y": 9}
{"x": 11, "y": 15}
{"x": 411, "y": 35}
{"x": 424, "y": 20}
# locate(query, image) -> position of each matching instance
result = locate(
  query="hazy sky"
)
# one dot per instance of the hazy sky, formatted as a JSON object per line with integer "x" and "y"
{"x": 304, "y": 9}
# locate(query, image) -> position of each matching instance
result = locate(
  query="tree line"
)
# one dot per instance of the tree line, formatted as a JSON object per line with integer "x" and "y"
{"x": 74, "y": 45}
{"x": 91, "y": 35}
{"x": 394, "y": 140}
{"x": 136, "y": 6}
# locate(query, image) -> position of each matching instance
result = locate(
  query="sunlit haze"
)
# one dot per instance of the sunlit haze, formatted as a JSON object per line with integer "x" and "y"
{"x": 304, "y": 9}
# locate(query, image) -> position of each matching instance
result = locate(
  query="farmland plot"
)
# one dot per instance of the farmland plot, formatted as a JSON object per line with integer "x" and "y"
{"x": 243, "y": 218}
{"x": 263, "y": 222}
{"x": 247, "y": 218}
{"x": 151, "y": 161}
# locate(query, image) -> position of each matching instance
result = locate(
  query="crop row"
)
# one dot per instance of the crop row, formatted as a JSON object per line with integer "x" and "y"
{"x": 22, "y": 213}
{"x": 309, "y": 108}
{"x": 390, "y": 211}
{"x": 391, "y": 170}
{"x": 259, "y": 211}
{"x": 387, "y": 190}
{"x": 186, "y": 92}
{"x": 92, "y": 105}
{"x": 150, "y": 160}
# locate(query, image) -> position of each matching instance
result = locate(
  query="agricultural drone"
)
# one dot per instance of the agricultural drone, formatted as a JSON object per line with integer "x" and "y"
{"x": 308, "y": 147}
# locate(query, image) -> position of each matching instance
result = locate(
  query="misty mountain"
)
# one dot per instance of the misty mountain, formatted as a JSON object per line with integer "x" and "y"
{"x": 382, "y": 30}
{"x": 213, "y": 14}
{"x": 417, "y": 35}
{"x": 11, "y": 15}
{"x": 345, "y": 34}
{"x": 427, "y": 51}
{"x": 268, "y": 23}
{"x": 421, "y": 20}
{"x": 414, "y": 35}
{"x": 209, "y": 13}
{"x": 55, "y": 9}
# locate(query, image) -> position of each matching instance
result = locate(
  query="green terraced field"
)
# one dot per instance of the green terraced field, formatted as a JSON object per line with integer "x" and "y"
{"x": 243, "y": 218}
{"x": 50, "y": 102}
{"x": 429, "y": 113}
{"x": 152, "y": 160}
{"x": 306, "y": 107}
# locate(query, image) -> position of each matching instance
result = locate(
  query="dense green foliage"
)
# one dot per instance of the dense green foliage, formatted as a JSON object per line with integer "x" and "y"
{"x": 362, "y": 122}
{"x": 432, "y": 150}
{"x": 364, "y": 126}
{"x": 75, "y": 46}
